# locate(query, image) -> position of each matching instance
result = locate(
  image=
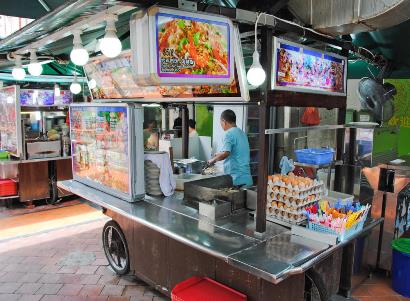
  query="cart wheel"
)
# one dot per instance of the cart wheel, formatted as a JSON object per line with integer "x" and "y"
{"x": 315, "y": 289}
{"x": 115, "y": 248}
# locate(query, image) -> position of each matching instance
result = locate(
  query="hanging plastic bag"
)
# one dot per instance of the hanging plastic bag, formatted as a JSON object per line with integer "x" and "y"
{"x": 310, "y": 116}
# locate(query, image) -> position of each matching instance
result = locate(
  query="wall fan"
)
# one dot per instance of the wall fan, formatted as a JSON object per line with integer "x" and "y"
{"x": 377, "y": 97}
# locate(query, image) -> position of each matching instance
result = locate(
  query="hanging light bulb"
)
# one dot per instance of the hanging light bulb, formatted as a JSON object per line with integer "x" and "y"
{"x": 110, "y": 45}
{"x": 57, "y": 90}
{"x": 78, "y": 55}
{"x": 34, "y": 68}
{"x": 256, "y": 75}
{"x": 18, "y": 72}
{"x": 92, "y": 84}
{"x": 75, "y": 86}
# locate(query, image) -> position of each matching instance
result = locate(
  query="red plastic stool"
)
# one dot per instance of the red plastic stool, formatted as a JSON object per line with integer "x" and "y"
{"x": 204, "y": 289}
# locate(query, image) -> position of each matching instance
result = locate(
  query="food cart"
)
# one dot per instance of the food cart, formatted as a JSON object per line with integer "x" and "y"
{"x": 33, "y": 132}
{"x": 165, "y": 240}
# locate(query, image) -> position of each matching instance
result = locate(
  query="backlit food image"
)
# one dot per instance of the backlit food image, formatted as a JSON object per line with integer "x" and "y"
{"x": 193, "y": 47}
{"x": 100, "y": 146}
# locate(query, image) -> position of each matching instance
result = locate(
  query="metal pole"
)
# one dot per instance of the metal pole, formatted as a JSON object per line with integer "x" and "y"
{"x": 185, "y": 133}
{"x": 264, "y": 117}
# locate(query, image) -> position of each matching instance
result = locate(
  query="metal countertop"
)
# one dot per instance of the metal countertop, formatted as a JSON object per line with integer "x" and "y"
{"x": 274, "y": 257}
{"x": 19, "y": 161}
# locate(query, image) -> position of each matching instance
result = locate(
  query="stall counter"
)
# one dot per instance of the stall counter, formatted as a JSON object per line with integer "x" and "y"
{"x": 158, "y": 229}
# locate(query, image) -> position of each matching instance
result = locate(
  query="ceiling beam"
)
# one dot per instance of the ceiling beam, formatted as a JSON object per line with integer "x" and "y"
{"x": 68, "y": 31}
{"x": 44, "y": 5}
{"x": 277, "y": 6}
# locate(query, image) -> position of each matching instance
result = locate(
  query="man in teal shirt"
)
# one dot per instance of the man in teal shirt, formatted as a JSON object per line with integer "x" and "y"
{"x": 235, "y": 151}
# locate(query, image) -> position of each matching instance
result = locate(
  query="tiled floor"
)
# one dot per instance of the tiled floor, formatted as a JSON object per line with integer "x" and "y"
{"x": 52, "y": 258}
{"x": 64, "y": 264}
{"x": 377, "y": 289}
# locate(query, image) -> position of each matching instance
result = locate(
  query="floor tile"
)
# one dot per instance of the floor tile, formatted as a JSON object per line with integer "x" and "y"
{"x": 70, "y": 289}
{"x": 29, "y": 288}
{"x": 112, "y": 290}
{"x": 91, "y": 290}
{"x": 49, "y": 289}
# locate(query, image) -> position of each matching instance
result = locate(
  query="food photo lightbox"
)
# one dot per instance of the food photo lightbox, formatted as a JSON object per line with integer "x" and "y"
{"x": 10, "y": 121}
{"x": 108, "y": 148}
{"x": 174, "y": 47}
{"x": 300, "y": 68}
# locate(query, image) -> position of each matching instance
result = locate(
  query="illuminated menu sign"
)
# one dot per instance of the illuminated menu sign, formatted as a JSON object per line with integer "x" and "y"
{"x": 182, "y": 47}
{"x": 303, "y": 69}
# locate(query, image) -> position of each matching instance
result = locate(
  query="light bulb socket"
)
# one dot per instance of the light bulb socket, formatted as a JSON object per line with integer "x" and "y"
{"x": 255, "y": 60}
{"x": 77, "y": 42}
{"x": 33, "y": 56}
{"x": 18, "y": 61}
{"x": 111, "y": 19}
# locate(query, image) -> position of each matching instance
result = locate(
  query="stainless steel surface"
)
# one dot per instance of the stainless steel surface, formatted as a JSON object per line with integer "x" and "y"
{"x": 214, "y": 209}
{"x": 272, "y": 259}
{"x": 369, "y": 225}
{"x": 215, "y": 188}
{"x": 182, "y": 178}
{"x": 43, "y": 149}
{"x": 302, "y": 129}
{"x": 15, "y": 162}
{"x": 8, "y": 171}
{"x": 215, "y": 241}
{"x": 318, "y": 166}
{"x": 251, "y": 197}
{"x": 232, "y": 239}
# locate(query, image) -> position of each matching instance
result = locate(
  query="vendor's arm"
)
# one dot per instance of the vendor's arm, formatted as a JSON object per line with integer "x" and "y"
{"x": 226, "y": 150}
{"x": 219, "y": 157}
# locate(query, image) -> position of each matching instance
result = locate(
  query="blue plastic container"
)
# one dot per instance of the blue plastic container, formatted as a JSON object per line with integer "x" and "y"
{"x": 317, "y": 156}
{"x": 401, "y": 273}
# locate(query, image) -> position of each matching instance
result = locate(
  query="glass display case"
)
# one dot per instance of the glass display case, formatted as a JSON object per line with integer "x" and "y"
{"x": 10, "y": 122}
{"x": 107, "y": 148}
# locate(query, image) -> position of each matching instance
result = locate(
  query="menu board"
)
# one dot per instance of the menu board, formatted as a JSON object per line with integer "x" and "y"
{"x": 10, "y": 122}
{"x": 115, "y": 80}
{"x": 304, "y": 69}
{"x": 100, "y": 149}
{"x": 189, "y": 47}
{"x": 172, "y": 46}
{"x": 40, "y": 97}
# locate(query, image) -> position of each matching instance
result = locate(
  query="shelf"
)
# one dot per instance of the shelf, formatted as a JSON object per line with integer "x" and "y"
{"x": 254, "y": 150}
{"x": 319, "y": 166}
{"x": 302, "y": 129}
{"x": 9, "y": 197}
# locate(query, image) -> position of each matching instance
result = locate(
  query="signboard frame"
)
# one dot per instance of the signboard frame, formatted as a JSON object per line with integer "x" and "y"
{"x": 17, "y": 125}
{"x": 276, "y": 45}
{"x": 242, "y": 96}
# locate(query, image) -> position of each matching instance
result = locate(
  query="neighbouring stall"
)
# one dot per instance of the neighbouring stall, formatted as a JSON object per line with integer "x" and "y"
{"x": 35, "y": 143}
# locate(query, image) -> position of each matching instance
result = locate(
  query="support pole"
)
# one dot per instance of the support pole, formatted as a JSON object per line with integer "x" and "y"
{"x": 264, "y": 118}
{"x": 185, "y": 133}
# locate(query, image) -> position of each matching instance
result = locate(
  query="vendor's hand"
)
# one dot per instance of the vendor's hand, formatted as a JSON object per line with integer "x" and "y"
{"x": 211, "y": 162}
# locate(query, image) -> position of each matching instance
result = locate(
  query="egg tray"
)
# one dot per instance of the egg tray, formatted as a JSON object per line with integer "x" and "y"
{"x": 289, "y": 209}
{"x": 315, "y": 184}
{"x": 296, "y": 202}
{"x": 295, "y": 193}
{"x": 284, "y": 218}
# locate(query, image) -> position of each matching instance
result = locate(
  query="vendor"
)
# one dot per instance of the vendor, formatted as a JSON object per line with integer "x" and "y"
{"x": 150, "y": 136}
{"x": 191, "y": 128}
{"x": 235, "y": 151}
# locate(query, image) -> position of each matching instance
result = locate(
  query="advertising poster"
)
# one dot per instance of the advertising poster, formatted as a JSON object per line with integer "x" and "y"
{"x": 36, "y": 97}
{"x": 99, "y": 137}
{"x": 192, "y": 47}
{"x": 115, "y": 80}
{"x": 10, "y": 120}
{"x": 299, "y": 68}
